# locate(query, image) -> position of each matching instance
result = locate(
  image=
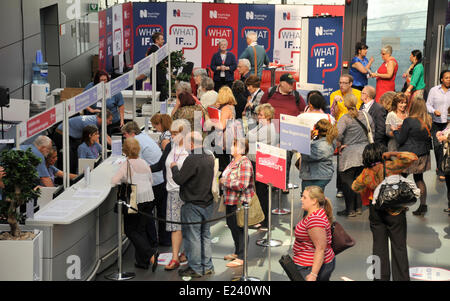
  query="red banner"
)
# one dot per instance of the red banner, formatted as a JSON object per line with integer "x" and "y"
{"x": 41, "y": 122}
{"x": 219, "y": 21}
{"x": 128, "y": 33}
{"x": 102, "y": 40}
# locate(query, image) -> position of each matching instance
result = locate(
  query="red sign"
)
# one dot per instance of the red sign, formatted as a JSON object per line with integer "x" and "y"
{"x": 271, "y": 165}
{"x": 220, "y": 21}
{"x": 41, "y": 122}
{"x": 102, "y": 40}
{"x": 128, "y": 31}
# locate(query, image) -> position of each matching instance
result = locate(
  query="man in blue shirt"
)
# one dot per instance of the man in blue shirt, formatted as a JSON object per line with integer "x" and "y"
{"x": 41, "y": 147}
{"x": 151, "y": 153}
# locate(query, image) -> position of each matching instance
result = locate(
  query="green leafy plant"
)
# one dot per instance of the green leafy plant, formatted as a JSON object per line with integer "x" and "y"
{"x": 20, "y": 182}
{"x": 177, "y": 60}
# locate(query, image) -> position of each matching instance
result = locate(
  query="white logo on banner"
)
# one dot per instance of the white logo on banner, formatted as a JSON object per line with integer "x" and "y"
{"x": 213, "y": 14}
{"x": 143, "y": 13}
{"x": 249, "y": 15}
{"x": 319, "y": 31}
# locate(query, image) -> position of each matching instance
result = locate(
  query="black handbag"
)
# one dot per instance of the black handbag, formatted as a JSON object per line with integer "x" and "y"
{"x": 290, "y": 268}
{"x": 445, "y": 164}
{"x": 394, "y": 196}
{"x": 341, "y": 241}
{"x": 126, "y": 193}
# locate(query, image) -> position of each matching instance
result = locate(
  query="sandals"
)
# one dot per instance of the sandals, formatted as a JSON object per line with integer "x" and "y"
{"x": 173, "y": 264}
{"x": 230, "y": 257}
{"x": 183, "y": 258}
{"x": 154, "y": 262}
{"x": 235, "y": 263}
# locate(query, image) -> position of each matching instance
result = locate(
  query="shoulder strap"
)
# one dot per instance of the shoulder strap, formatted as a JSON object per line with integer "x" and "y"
{"x": 271, "y": 92}
{"x": 368, "y": 123}
{"x": 425, "y": 125}
{"x": 362, "y": 125}
{"x": 297, "y": 97}
{"x": 256, "y": 61}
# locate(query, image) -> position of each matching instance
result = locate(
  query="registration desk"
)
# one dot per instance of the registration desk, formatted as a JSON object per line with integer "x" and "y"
{"x": 80, "y": 226}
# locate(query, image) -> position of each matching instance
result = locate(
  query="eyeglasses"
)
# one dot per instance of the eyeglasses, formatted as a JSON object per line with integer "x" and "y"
{"x": 344, "y": 83}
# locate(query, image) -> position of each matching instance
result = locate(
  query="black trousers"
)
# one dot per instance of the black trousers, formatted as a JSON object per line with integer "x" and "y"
{"x": 136, "y": 230}
{"x": 438, "y": 147}
{"x": 447, "y": 183}
{"x": 338, "y": 176}
{"x": 236, "y": 232}
{"x": 352, "y": 199}
{"x": 222, "y": 82}
{"x": 164, "y": 237}
{"x": 387, "y": 227}
{"x": 262, "y": 191}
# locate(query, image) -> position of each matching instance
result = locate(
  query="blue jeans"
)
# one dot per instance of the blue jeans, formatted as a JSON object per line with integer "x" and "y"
{"x": 321, "y": 183}
{"x": 197, "y": 237}
{"x": 324, "y": 273}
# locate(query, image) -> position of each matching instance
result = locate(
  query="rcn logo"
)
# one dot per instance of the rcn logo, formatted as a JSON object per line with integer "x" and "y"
{"x": 143, "y": 13}
{"x": 249, "y": 15}
{"x": 176, "y": 13}
{"x": 319, "y": 31}
{"x": 286, "y": 16}
{"x": 213, "y": 14}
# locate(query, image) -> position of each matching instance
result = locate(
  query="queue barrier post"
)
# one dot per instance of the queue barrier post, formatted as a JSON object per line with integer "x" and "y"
{"x": 269, "y": 242}
{"x": 120, "y": 275}
{"x": 245, "y": 276}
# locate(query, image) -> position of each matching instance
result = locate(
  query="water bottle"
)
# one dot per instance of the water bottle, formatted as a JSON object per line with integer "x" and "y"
{"x": 40, "y": 69}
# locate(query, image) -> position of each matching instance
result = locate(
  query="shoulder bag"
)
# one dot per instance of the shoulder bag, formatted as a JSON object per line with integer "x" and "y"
{"x": 255, "y": 213}
{"x": 445, "y": 165}
{"x": 127, "y": 193}
{"x": 290, "y": 268}
{"x": 341, "y": 241}
{"x": 367, "y": 129}
{"x": 396, "y": 195}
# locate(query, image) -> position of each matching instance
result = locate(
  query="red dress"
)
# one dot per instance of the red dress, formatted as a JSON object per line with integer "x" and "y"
{"x": 385, "y": 85}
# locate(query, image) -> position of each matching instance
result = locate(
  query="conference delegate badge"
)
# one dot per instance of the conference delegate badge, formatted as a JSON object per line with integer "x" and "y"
{"x": 294, "y": 135}
{"x": 271, "y": 165}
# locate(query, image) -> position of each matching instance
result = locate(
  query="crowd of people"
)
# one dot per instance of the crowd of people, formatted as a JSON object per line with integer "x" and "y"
{"x": 362, "y": 127}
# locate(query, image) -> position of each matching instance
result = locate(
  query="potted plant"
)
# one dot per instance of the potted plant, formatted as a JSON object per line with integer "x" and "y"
{"x": 16, "y": 246}
{"x": 177, "y": 60}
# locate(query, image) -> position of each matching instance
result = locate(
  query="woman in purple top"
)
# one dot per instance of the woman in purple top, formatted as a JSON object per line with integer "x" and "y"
{"x": 89, "y": 149}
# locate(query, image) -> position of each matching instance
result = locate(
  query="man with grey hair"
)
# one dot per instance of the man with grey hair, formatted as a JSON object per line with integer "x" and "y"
{"x": 199, "y": 74}
{"x": 256, "y": 54}
{"x": 195, "y": 180}
{"x": 377, "y": 112}
{"x": 41, "y": 147}
{"x": 244, "y": 69}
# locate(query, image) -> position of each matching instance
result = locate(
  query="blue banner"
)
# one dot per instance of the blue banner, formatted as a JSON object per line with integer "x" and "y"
{"x": 325, "y": 53}
{"x": 148, "y": 18}
{"x": 261, "y": 19}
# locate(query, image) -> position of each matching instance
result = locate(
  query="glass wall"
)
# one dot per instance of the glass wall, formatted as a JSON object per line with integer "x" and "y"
{"x": 401, "y": 24}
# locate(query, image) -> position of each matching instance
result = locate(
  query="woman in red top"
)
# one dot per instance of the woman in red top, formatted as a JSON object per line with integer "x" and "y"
{"x": 385, "y": 225}
{"x": 237, "y": 183}
{"x": 385, "y": 75}
{"x": 313, "y": 254}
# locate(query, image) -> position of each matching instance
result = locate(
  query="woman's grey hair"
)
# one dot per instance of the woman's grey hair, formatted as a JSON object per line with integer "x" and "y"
{"x": 207, "y": 83}
{"x": 223, "y": 41}
{"x": 246, "y": 63}
{"x": 387, "y": 49}
{"x": 200, "y": 72}
{"x": 181, "y": 123}
{"x": 183, "y": 87}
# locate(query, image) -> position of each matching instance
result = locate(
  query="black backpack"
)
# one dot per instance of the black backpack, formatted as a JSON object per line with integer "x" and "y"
{"x": 273, "y": 89}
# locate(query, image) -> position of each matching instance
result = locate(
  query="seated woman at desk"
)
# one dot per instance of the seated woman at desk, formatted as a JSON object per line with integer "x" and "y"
{"x": 54, "y": 172}
{"x": 90, "y": 148}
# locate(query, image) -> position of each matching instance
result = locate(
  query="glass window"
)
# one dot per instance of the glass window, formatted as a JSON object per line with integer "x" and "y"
{"x": 401, "y": 24}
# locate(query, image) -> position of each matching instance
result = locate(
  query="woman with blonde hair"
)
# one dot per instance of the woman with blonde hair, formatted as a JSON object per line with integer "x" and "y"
{"x": 317, "y": 168}
{"x": 313, "y": 254}
{"x": 415, "y": 136}
{"x": 136, "y": 224}
{"x": 351, "y": 140}
{"x": 386, "y": 100}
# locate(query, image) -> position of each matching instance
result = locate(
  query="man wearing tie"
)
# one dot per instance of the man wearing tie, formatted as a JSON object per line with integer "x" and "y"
{"x": 161, "y": 70}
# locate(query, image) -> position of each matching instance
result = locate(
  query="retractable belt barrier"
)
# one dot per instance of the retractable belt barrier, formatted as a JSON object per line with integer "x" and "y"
{"x": 178, "y": 223}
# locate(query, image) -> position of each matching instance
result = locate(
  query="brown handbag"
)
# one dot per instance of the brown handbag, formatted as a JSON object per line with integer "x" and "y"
{"x": 341, "y": 241}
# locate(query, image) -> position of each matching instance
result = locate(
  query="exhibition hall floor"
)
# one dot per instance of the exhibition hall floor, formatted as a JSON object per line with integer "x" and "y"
{"x": 428, "y": 242}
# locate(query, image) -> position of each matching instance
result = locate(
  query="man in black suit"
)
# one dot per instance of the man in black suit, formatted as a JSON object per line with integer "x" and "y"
{"x": 161, "y": 69}
{"x": 377, "y": 112}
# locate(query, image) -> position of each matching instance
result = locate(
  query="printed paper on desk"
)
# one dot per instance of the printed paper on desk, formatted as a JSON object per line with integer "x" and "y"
{"x": 271, "y": 165}
{"x": 294, "y": 135}
{"x": 214, "y": 113}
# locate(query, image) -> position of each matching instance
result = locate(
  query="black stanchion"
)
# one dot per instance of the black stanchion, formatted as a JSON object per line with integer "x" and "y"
{"x": 279, "y": 210}
{"x": 119, "y": 275}
{"x": 269, "y": 242}
{"x": 245, "y": 277}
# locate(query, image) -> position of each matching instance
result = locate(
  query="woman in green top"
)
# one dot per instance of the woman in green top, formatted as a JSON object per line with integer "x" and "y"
{"x": 416, "y": 84}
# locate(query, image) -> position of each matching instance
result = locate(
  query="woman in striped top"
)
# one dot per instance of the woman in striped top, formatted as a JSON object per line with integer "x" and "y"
{"x": 313, "y": 254}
